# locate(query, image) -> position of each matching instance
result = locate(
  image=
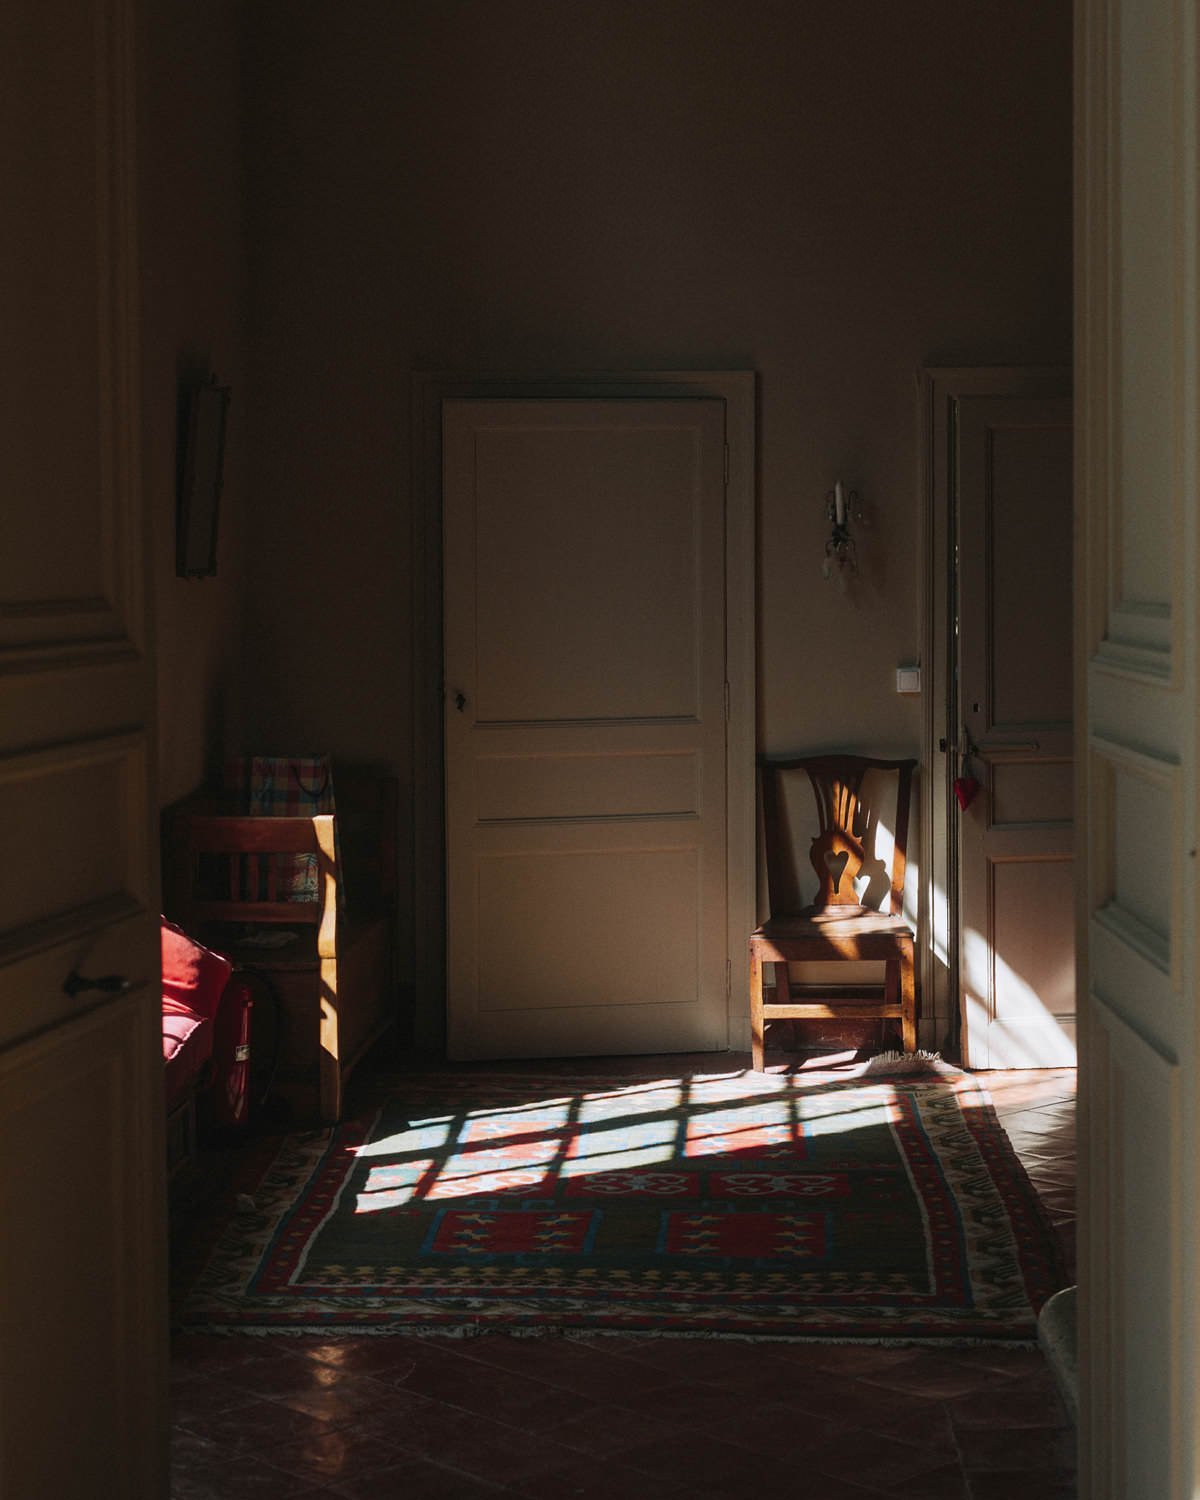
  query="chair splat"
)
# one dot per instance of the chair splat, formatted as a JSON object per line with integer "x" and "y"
{"x": 837, "y": 854}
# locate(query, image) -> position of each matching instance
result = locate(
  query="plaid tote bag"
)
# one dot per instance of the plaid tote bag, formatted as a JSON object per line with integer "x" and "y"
{"x": 284, "y": 786}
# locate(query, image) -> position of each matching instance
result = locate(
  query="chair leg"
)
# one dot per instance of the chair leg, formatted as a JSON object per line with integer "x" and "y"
{"x": 784, "y": 996}
{"x": 756, "y": 1013}
{"x": 331, "y": 1062}
{"x": 908, "y": 1001}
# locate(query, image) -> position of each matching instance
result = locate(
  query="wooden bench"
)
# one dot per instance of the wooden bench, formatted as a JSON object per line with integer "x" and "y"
{"x": 333, "y": 967}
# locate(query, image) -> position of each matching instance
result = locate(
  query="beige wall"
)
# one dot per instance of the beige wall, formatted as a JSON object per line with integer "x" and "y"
{"x": 193, "y": 313}
{"x": 827, "y": 194}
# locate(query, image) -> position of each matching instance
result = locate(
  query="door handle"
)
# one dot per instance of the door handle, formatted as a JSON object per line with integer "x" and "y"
{"x": 460, "y": 701}
{"x": 103, "y": 984}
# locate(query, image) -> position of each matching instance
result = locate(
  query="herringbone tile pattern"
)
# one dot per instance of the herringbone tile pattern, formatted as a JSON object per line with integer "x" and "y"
{"x": 608, "y": 1416}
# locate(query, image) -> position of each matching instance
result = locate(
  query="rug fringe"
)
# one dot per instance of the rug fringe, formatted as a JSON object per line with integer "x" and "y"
{"x": 909, "y": 1062}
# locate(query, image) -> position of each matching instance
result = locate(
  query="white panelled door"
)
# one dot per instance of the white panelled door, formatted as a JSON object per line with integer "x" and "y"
{"x": 585, "y": 727}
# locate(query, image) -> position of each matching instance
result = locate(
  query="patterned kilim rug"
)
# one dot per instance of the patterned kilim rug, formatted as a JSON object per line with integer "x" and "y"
{"x": 815, "y": 1206}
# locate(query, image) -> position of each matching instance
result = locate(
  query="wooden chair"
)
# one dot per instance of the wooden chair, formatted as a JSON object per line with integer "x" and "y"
{"x": 334, "y": 973}
{"x": 837, "y": 926}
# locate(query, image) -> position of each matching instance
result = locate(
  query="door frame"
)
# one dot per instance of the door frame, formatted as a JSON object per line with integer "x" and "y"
{"x": 940, "y": 390}
{"x": 737, "y": 389}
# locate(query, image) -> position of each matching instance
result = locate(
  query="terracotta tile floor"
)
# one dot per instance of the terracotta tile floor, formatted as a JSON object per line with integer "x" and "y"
{"x": 559, "y": 1419}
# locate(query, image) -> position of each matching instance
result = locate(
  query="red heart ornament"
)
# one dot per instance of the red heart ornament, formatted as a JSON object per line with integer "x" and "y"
{"x": 965, "y": 788}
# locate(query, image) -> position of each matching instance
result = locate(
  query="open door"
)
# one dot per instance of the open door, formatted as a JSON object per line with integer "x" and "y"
{"x": 82, "y": 1241}
{"x": 1137, "y": 97}
{"x": 1016, "y": 840}
{"x": 1002, "y": 709}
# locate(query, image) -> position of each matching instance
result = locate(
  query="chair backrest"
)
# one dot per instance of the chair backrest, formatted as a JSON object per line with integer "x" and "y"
{"x": 228, "y": 869}
{"x": 837, "y": 853}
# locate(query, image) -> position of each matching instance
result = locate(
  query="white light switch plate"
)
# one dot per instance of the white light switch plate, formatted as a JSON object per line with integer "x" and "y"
{"x": 908, "y": 679}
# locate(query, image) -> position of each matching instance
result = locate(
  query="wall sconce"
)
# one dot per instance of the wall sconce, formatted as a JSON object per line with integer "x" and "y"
{"x": 841, "y": 554}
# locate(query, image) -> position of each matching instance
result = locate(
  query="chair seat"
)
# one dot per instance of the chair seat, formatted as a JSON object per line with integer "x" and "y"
{"x": 795, "y": 937}
{"x": 289, "y": 948}
{"x": 832, "y": 925}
